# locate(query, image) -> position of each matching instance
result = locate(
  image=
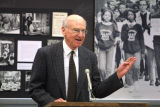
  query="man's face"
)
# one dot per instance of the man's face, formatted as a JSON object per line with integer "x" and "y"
{"x": 112, "y": 5}
{"x": 130, "y": 16}
{"x": 143, "y": 5}
{"x": 122, "y": 8}
{"x": 107, "y": 16}
{"x": 74, "y": 33}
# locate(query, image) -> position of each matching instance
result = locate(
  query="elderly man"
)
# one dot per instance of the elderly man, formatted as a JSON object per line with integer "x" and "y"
{"x": 54, "y": 78}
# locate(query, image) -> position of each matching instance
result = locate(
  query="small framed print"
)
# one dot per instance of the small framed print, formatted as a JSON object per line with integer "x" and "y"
{"x": 7, "y": 53}
{"x": 9, "y": 23}
{"x": 10, "y": 80}
{"x": 57, "y": 21}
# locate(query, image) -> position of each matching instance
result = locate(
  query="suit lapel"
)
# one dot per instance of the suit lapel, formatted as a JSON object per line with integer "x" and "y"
{"x": 59, "y": 69}
{"x": 59, "y": 65}
{"x": 82, "y": 67}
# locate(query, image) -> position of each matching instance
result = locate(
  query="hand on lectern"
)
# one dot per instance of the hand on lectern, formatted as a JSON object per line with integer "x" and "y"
{"x": 60, "y": 100}
{"x": 125, "y": 67}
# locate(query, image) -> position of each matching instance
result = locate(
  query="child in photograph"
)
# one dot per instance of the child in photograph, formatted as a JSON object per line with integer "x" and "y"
{"x": 143, "y": 17}
{"x": 106, "y": 34}
{"x": 132, "y": 36}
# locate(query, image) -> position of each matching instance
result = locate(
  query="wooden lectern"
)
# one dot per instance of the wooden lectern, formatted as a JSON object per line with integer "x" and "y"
{"x": 96, "y": 104}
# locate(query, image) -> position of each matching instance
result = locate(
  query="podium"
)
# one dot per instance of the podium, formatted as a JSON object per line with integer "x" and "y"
{"x": 96, "y": 104}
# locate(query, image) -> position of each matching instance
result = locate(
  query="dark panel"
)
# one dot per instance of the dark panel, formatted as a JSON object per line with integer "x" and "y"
{"x": 84, "y": 8}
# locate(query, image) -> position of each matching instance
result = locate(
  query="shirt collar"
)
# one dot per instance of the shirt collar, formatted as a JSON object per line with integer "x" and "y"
{"x": 131, "y": 23}
{"x": 106, "y": 23}
{"x": 67, "y": 50}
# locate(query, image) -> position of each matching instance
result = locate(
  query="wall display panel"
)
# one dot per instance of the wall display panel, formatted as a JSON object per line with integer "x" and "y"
{"x": 116, "y": 36}
{"x": 22, "y": 33}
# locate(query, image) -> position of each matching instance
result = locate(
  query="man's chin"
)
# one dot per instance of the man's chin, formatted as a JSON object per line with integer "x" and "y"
{"x": 78, "y": 45}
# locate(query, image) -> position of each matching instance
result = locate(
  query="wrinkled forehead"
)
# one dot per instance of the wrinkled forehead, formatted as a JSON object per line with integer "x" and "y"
{"x": 76, "y": 21}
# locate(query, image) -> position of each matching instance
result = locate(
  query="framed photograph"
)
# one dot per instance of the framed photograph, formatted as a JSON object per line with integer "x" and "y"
{"x": 27, "y": 80}
{"x": 9, "y": 23}
{"x": 7, "y": 52}
{"x": 35, "y": 23}
{"x": 10, "y": 80}
{"x": 113, "y": 46}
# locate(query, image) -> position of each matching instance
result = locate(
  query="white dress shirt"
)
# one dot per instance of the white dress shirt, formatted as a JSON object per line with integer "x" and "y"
{"x": 67, "y": 54}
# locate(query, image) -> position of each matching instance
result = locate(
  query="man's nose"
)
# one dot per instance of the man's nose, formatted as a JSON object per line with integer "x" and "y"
{"x": 81, "y": 32}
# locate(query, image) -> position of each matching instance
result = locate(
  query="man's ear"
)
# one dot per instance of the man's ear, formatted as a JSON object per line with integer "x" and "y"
{"x": 63, "y": 30}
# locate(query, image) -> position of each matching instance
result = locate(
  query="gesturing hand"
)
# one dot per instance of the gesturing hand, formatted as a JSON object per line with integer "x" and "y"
{"x": 125, "y": 67}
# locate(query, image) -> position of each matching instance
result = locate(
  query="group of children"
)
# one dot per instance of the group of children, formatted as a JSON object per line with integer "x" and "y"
{"x": 124, "y": 34}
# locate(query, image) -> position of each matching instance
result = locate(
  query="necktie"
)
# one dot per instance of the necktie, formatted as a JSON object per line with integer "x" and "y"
{"x": 72, "y": 82}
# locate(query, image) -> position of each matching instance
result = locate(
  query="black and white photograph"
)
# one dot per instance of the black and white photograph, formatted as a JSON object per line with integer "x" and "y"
{"x": 27, "y": 80}
{"x": 53, "y": 41}
{"x": 10, "y": 80}
{"x": 125, "y": 28}
{"x": 36, "y": 23}
{"x": 7, "y": 53}
{"x": 9, "y": 23}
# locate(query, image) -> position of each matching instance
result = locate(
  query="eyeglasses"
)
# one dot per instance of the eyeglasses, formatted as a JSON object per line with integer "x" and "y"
{"x": 77, "y": 31}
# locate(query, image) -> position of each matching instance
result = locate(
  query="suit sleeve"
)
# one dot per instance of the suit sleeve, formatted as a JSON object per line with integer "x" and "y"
{"x": 38, "y": 78}
{"x": 106, "y": 87}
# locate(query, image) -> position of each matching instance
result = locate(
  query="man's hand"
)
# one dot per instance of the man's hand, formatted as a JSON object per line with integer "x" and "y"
{"x": 60, "y": 100}
{"x": 125, "y": 67}
{"x": 57, "y": 100}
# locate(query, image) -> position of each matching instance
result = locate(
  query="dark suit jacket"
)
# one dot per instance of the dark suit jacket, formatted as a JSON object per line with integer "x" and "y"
{"x": 48, "y": 80}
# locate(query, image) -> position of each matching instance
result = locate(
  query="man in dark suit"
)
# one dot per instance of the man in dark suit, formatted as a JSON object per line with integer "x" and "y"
{"x": 49, "y": 79}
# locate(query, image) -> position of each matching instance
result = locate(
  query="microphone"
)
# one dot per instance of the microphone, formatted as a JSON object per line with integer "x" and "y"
{"x": 87, "y": 71}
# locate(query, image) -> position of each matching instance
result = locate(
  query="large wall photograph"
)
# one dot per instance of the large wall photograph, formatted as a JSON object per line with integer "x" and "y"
{"x": 125, "y": 28}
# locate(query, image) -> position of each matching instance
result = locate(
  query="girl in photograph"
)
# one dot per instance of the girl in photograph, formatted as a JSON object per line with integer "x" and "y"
{"x": 132, "y": 36}
{"x": 106, "y": 33}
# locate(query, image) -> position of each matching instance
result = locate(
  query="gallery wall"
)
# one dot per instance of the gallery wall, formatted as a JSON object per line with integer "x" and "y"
{"x": 21, "y": 44}
{"x": 84, "y": 8}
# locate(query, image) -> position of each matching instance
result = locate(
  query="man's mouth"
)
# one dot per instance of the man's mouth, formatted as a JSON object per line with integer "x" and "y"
{"x": 78, "y": 39}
